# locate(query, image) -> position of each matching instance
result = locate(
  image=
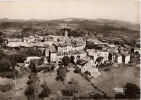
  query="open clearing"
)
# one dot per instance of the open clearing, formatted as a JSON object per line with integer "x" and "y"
{"x": 117, "y": 77}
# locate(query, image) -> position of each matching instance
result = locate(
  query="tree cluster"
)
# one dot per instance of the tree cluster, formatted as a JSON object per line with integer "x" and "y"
{"x": 66, "y": 60}
{"x": 131, "y": 91}
{"x": 7, "y": 63}
{"x": 32, "y": 90}
{"x": 71, "y": 88}
{"x": 45, "y": 92}
{"x": 61, "y": 73}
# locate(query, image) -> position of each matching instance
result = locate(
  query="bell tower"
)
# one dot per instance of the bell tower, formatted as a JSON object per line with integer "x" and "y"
{"x": 66, "y": 33}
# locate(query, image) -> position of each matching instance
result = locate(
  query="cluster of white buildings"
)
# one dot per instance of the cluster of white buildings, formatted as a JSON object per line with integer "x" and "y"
{"x": 109, "y": 52}
{"x": 107, "y": 56}
{"x": 56, "y": 54}
{"x": 12, "y": 31}
{"x": 31, "y": 41}
{"x": 76, "y": 47}
{"x": 55, "y": 48}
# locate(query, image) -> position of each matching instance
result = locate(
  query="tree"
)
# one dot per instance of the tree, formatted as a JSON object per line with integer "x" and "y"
{"x": 52, "y": 67}
{"x": 7, "y": 63}
{"x": 77, "y": 70}
{"x": 132, "y": 91}
{"x": 29, "y": 92}
{"x": 132, "y": 42}
{"x": 1, "y": 54}
{"x": 1, "y": 34}
{"x": 66, "y": 60}
{"x": 98, "y": 96}
{"x": 1, "y": 40}
{"x": 31, "y": 52}
{"x": 33, "y": 86}
{"x": 71, "y": 88}
{"x": 32, "y": 67}
{"x": 61, "y": 73}
{"x": 119, "y": 96}
{"x": 20, "y": 58}
{"x": 132, "y": 50}
{"x": 72, "y": 59}
{"x": 41, "y": 61}
{"x": 99, "y": 59}
{"x": 46, "y": 91}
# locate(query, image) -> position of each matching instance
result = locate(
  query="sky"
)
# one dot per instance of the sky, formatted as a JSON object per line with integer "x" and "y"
{"x": 89, "y": 9}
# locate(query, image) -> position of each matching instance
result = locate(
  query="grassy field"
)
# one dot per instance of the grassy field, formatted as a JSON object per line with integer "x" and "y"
{"x": 16, "y": 93}
{"x": 84, "y": 84}
{"x": 57, "y": 86}
{"x": 117, "y": 77}
{"x": 49, "y": 78}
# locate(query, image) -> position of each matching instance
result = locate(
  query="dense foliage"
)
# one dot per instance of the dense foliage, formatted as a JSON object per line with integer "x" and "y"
{"x": 71, "y": 88}
{"x": 33, "y": 84}
{"x": 132, "y": 91}
{"x": 45, "y": 92}
{"x": 61, "y": 73}
{"x": 7, "y": 63}
{"x": 66, "y": 60}
{"x": 5, "y": 88}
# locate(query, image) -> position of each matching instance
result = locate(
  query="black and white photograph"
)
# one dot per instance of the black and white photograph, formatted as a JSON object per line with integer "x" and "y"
{"x": 70, "y": 50}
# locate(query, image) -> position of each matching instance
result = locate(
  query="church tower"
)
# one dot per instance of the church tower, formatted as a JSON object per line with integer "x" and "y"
{"x": 66, "y": 33}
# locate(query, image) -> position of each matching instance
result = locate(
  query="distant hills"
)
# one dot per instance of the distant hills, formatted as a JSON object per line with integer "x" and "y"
{"x": 116, "y": 23}
{"x": 107, "y": 28}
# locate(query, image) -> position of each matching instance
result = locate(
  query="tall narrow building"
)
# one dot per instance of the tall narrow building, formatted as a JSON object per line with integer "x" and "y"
{"x": 66, "y": 33}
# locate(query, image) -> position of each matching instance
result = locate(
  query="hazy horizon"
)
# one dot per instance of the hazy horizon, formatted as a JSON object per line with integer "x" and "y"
{"x": 116, "y": 10}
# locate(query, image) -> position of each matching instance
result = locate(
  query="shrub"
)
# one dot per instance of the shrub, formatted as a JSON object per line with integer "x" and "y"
{"x": 67, "y": 93}
{"x": 46, "y": 91}
{"x": 106, "y": 69}
{"x": 9, "y": 74}
{"x": 71, "y": 88}
{"x": 77, "y": 70}
{"x": 98, "y": 96}
{"x": 5, "y": 88}
{"x": 30, "y": 90}
{"x": 132, "y": 91}
{"x": 61, "y": 73}
{"x": 31, "y": 52}
{"x": 33, "y": 85}
{"x": 66, "y": 60}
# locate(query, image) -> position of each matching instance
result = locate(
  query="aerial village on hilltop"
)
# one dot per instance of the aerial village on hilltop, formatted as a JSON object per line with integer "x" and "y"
{"x": 65, "y": 56}
{"x": 54, "y": 48}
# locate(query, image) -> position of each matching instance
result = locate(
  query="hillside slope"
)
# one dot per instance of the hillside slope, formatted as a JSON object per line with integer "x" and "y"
{"x": 109, "y": 29}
